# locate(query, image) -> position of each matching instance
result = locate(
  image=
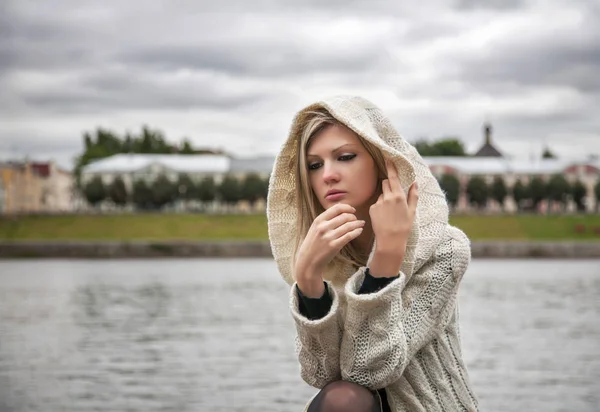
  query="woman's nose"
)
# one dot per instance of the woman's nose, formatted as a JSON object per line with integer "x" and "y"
{"x": 330, "y": 173}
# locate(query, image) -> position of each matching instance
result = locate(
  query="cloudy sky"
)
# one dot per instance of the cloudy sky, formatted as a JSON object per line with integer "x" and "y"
{"x": 231, "y": 73}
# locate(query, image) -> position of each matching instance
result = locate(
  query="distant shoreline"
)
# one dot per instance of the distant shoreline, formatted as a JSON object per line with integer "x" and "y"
{"x": 261, "y": 249}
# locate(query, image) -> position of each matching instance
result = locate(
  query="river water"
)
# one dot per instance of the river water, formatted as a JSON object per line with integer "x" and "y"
{"x": 216, "y": 335}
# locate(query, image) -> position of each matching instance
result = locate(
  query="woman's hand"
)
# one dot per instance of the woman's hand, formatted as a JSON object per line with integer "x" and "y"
{"x": 392, "y": 218}
{"x": 328, "y": 234}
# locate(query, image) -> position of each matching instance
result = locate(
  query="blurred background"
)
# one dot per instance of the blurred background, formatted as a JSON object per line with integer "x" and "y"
{"x": 136, "y": 143}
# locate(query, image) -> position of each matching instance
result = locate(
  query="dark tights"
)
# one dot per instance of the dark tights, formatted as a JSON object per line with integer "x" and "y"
{"x": 341, "y": 396}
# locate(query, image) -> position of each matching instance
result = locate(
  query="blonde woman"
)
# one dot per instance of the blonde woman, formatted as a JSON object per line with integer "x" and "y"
{"x": 359, "y": 228}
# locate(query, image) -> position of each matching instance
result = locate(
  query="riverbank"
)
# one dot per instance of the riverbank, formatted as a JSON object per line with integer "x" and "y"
{"x": 260, "y": 249}
{"x": 168, "y": 227}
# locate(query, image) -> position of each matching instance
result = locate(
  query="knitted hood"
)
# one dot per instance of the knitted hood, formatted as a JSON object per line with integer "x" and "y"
{"x": 368, "y": 121}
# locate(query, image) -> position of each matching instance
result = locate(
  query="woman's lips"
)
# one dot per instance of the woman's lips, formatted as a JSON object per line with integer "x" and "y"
{"x": 336, "y": 196}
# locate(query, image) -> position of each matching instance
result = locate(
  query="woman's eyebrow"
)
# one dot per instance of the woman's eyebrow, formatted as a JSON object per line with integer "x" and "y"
{"x": 333, "y": 151}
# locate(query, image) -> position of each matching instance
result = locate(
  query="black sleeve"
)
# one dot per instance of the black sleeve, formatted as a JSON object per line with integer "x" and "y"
{"x": 314, "y": 308}
{"x": 372, "y": 284}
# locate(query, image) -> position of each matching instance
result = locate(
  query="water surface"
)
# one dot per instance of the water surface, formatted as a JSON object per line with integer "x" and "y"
{"x": 216, "y": 335}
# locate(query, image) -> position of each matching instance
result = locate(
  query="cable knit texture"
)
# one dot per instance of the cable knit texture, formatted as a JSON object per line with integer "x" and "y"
{"x": 405, "y": 337}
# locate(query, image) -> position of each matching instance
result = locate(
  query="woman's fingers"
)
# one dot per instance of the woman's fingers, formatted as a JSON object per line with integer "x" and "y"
{"x": 336, "y": 210}
{"x": 386, "y": 189}
{"x": 413, "y": 198}
{"x": 394, "y": 180}
{"x": 345, "y": 233}
{"x": 340, "y": 220}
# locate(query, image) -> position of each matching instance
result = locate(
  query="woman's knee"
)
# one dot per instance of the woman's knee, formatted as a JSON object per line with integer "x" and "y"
{"x": 344, "y": 396}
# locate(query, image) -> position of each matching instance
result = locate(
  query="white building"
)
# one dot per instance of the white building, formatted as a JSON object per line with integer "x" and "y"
{"x": 586, "y": 171}
{"x": 148, "y": 167}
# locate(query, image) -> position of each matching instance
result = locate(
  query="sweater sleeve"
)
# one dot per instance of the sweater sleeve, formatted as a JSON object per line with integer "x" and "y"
{"x": 384, "y": 330}
{"x": 316, "y": 308}
{"x": 318, "y": 340}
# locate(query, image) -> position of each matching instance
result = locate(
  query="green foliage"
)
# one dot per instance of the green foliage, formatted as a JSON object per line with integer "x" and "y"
{"x": 451, "y": 186}
{"x": 558, "y": 189}
{"x": 193, "y": 226}
{"x": 578, "y": 191}
{"x": 142, "y": 195}
{"x": 117, "y": 192}
{"x": 477, "y": 191}
{"x": 443, "y": 147}
{"x": 186, "y": 188}
{"x": 104, "y": 143}
{"x": 230, "y": 190}
{"x": 537, "y": 191}
{"x": 207, "y": 190}
{"x": 163, "y": 192}
{"x": 597, "y": 193}
{"x": 186, "y": 147}
{"x": 252, "y": 188}
{"x": 95, "y": 191}
{"x": 520, "y": 193}
{"x": 498, "y": 190}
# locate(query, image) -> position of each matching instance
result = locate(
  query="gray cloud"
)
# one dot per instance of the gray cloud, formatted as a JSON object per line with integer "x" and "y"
{"x": 572, "y": 62}
{"x": 261, "y": 60}
{"x": 490, "y": 4}
{"x": 101, "y": 92}
{"x": 236, "y": 71}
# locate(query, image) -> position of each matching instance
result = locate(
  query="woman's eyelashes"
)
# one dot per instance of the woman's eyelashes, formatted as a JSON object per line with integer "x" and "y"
{"x": 344, "y": 158}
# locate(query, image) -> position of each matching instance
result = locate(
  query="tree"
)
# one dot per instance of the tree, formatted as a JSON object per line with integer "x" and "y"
{"x": 206, "y": 191}
{"x": 451, "y": 186}
{"x": 597, "y": 193}
{"x": 163, "y": 191}
{"x": 477, "y": 191}
{"x": 118, "y": 192}
{"x": 520, "y": 193}
{"x": 443, "y": 147}
{"x": 558, "y": 189}
{"x": 230, "y": 190}
{"x": 537, "y": 191}
{"x": 186, "y": 147}
{"x": 186, "y": 188}
{"x": 103, "y": 143}
{"x": 251, "y": 188}
{"x": 578, "y": 191}
{"x": 142, "y": 195}
{"x": 499, "y": 191}
{"x": 95, "y": 191}
{"x": 265, "y": 188}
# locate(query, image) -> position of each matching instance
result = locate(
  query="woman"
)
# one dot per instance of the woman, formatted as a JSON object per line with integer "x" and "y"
{"x": 374, "y": 269}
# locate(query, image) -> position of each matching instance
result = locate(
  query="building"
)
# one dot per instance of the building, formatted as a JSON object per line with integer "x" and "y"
{"x": 488, "y": 149}
{"x": 35, "y": 187}
{"x": 148, "y": 167}
{"x": 464, "y": 168}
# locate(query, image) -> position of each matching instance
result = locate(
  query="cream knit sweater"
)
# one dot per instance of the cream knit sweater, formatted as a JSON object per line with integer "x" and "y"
{"x": 403, "y": 338}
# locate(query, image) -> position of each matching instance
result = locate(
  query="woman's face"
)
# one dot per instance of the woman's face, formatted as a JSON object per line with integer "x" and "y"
{"x": 336, "y": 159}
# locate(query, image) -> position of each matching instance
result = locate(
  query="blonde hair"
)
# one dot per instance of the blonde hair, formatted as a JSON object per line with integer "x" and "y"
{"x": 309, "y": 206}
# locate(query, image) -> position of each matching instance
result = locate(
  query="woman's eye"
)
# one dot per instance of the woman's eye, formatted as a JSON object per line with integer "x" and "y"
{"x": 345, "y": 158}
